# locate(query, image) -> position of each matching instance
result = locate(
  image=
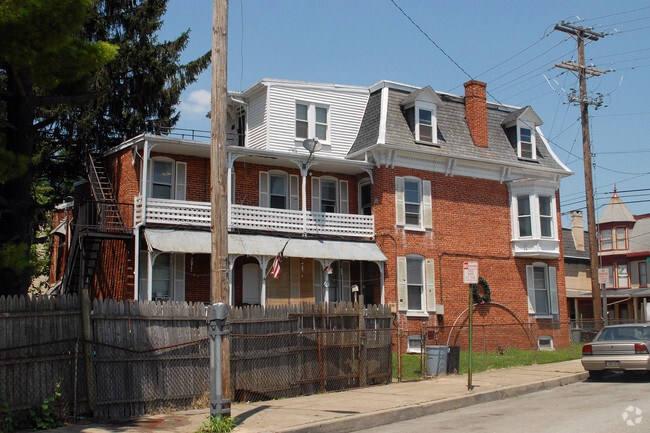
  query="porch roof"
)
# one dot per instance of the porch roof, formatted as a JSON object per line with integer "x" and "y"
{"x": 194, "y": 241}
{"x": 611, "y": 293}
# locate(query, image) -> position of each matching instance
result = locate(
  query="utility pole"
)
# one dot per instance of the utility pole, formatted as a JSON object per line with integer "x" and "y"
{"x": 219, "y": 175}
{"x": 583, "y": 72}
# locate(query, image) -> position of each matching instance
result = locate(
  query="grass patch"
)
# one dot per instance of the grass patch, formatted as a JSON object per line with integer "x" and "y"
{"x": 414, "y": 364}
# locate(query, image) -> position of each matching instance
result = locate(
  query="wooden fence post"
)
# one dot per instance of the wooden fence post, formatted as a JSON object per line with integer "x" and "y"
{"x": 88, "y": 349}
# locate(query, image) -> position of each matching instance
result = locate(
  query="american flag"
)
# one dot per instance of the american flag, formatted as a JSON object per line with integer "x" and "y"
{"x": 275, "y": 269}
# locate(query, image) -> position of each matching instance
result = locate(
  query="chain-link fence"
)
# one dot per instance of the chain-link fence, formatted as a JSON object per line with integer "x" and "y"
{"x": 432, "y": 351}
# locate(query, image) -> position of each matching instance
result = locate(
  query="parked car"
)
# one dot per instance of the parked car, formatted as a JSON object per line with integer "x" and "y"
{"x": 618, "y": 348}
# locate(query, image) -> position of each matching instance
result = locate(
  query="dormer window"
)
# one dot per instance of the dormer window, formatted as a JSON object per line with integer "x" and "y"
{"x": 520, "y": 126}
{"x": 420, "y": 109}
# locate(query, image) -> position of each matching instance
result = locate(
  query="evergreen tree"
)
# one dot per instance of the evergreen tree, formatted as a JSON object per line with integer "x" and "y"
{"x": 134, "y": 93}
{"x": 43, "y": 64}
{"x": 142, "y": 87}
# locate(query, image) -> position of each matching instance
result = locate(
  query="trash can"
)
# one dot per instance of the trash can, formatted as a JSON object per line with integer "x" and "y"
{"x": 436, "y": 359}
{"x": 576, "y": 335}
{"x": 453, "y": 360}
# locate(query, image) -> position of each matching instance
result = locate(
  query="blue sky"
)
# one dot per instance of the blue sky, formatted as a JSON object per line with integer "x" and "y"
{"x": 509, "y": 44}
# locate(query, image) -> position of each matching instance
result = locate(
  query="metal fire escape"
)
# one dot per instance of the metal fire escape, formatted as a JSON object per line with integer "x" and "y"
{"x": 96, "y": 219}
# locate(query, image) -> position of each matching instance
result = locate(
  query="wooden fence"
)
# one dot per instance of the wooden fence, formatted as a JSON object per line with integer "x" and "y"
{"x": 141, "y": 357}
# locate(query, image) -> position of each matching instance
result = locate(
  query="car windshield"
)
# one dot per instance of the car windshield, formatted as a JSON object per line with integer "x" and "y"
{"x": 625, "y": 333}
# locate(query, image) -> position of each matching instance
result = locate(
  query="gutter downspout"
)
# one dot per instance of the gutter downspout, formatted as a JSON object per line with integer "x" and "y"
{"x": 146, "y": 152}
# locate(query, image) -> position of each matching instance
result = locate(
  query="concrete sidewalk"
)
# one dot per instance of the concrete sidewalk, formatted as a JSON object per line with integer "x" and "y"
{"x": 360, "y": 408}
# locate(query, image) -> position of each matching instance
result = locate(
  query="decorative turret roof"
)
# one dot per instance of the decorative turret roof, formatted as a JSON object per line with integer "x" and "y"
{"x": 616, "y": 211}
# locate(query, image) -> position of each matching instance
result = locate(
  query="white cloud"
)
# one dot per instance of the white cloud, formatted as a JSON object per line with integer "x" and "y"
{"x": 197, "y": 103}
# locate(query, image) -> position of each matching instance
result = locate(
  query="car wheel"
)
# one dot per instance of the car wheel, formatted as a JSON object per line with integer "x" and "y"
{"x": 596, "y": 374}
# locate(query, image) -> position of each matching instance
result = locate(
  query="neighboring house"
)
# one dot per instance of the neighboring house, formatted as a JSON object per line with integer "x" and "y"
{"x": 577, "y": 264}
{"x": 390, "y": 188}
{"x": 624, "y": 251}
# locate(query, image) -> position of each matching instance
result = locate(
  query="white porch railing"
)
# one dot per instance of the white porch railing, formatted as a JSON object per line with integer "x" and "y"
{"x": 197, "y": 214}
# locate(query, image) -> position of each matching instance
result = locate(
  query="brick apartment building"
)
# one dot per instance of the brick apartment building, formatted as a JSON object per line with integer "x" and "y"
{"x": 382, "y": 191}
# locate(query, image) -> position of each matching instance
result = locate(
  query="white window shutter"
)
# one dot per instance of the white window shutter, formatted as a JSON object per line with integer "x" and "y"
{"x": 294, "y": 193}
{"x": 264, "y": 189}
{"x": 552, "y": 287}
{"x": 430, "y": 279}
{"x": 181, "y": 181}
{"x": 179, "y": 277}
{"x": 426, "y": 204}
{"x": 402, "y": 291}
{"x": 530, "y": 288}
{"x": 399, "y": 201}
{"x": 343, "y": 194}
{"x": 315, "y": 194}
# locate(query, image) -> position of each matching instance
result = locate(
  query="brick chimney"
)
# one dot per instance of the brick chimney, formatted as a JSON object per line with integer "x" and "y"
{"x": 476, "y": 112}
{"x": 578, "y": 230}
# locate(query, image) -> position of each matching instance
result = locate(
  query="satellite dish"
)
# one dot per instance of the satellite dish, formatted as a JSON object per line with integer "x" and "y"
{"x": 312, "y": 145}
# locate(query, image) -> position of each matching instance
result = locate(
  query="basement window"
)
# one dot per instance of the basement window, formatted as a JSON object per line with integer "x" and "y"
{"x": 545, "y": 342}
{"x": 414, "y": 344}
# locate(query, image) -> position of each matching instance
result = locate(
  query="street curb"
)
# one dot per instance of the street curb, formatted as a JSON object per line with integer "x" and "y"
{"x": 388, "y": 416}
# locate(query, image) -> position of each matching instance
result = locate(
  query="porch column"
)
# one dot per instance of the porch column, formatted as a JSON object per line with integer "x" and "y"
{"x": 231, "y": 265}
{"x": 326, "y": 279}
{"x": 381, "y": 281}
{"x": 263, "y": 261}
{"x": 151, "y": 259}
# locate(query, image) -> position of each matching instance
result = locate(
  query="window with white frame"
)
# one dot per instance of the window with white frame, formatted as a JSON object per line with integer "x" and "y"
{"x": 167, "y": 277}
{"x": 535, "y": 216}
{"x": 622, "y": 276}
{"x": 168, "y": 179}
{"x": 413, "y": 202}
{"x": 329, "y": 194}
{"x": 312, "y": 121}
{"x": 541, "y": 282}
{"x": 526, "y": 147}
{"x": 425, "y": 121}
{"x": 416, "y": 284}
{"x": 365, "y": 198}
{"x": 278, "y": 190}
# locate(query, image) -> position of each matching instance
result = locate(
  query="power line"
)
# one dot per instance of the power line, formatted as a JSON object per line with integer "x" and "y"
{"x": 430, "y": 39}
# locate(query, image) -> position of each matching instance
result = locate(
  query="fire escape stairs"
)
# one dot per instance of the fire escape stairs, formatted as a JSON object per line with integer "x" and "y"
{"x": 89, "y": 232}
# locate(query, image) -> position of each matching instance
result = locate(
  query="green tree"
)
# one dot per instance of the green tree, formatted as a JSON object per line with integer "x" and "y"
{"x": 142, "y": 86}
{"x": 134, "y": 93}
{"x": 44, "y": 63}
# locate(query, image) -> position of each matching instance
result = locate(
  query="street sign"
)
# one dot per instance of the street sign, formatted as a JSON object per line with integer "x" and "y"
{"x": 470, "y": 272}
{"x": 603, "y": 275}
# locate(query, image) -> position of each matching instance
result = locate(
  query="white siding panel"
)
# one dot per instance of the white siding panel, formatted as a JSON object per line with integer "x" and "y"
{"x": 257, "y": 121}
{"x": 346, "y": 108}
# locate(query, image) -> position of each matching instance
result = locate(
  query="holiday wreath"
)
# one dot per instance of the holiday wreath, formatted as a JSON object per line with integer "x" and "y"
{"x": 481, "y": 298}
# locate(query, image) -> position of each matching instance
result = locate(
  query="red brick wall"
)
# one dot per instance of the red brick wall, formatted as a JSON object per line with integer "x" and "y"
{"x": 471, "y": 221}
{"x": 197, "y": 277}
{"x": 247, "y": 184}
